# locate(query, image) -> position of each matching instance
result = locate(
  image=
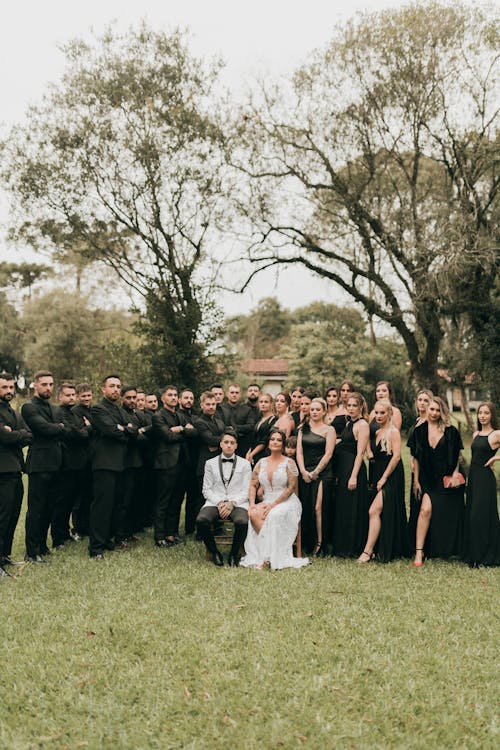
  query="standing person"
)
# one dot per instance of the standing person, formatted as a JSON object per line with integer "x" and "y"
{"x": 262, "y": 428}
{"x": 171, "y": 431}
{"x": 14, "y": 436}
{"x": 350, "y": 521}
{"x": 387, "y": 530}
{"x": 43, "y": 464}
{"x": 74, "y": 461}
{"x": 438, "y": 479}
{"x": 140, "y": 401}
{"x": 305, "y": 403}
{"x": 111, "y": 431}
{"x": 186, "y": 406}
{"x": 83, "y": 499}
{"x": 218, "y": 394}
{"x": 296, "y": 403}
{"x": 422, "y": 402}
{"x": 384, "y": 389}
{"x": 315, "y": 446}
{"x": 240, "y": 417}
{"x": 274, "y": 522}
{"x": 129, "y": 511}
{"x": 284, "y": 420}
{"x": 482, "y": 525}
{"x": 210, "y": 428}
{"x": 226, "y": 485}
{"x": 151, "y": 402}
{"x": 332, "y": 406}
{"x": 253, "y": 395}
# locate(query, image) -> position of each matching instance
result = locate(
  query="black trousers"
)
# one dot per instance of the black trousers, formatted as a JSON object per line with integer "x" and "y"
{"x": 103, "y": 509}
{"x": 43, "y": 495}
{"x": 209, "y": 514}
{"x": 83, "y": 500}
{"x": 127, "y": 502}
{"x": 193, "y": 497}
{"x": 170, "y": 485}
{"x": 69, "y": 484}
{"x": 11, "y": 498}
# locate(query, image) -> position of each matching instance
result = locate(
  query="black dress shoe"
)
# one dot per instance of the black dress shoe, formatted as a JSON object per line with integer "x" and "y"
{"x": 45, "y": 552}
{"x": 37, "y": 559}
{"x": 178, "y": 539}
{"x": 217, "y": 559}
{"x": 163, "y": 544}
{"x": 4, "y": 574}
{"x": 233, "y": 561}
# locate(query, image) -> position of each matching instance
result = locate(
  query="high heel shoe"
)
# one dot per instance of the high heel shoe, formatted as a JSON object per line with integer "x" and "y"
{"x": 418, "y": 563}
{"x": 370, "y": 556}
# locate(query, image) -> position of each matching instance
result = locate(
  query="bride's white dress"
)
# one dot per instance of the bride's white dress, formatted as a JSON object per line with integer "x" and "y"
{"x": 273, "y": 544}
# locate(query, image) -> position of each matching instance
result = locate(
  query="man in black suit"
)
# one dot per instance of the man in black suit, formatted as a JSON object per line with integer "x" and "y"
{"x": 186, "y": 404}
{"x": 81, "y": 507}
{"x": 43, "y": 464}
{"x": 171, "y": 430}
{"x": 111, "y": 430}
{"x": 151, "y": 402}
{"x": 241, "y": 417}
{"x": 14, "y": 435}
{"x": 218, "y": 393}
{"x": 210, "y": 428}
{"x": 131, "y": 499}
{"x": 74, "y": 461}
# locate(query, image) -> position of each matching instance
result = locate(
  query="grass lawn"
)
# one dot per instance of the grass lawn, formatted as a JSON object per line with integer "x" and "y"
{"x": 157, "y": 648}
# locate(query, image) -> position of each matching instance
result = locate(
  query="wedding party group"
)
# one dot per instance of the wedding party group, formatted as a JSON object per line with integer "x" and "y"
{"x": 300, "y": 472}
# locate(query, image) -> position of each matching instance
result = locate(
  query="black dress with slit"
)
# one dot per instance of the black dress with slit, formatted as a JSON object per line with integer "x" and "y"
{"x": 482, "y": 525}
{"x": 393, "y": 540}
{"x": 350, "y": 511}
{"x": 313, "y": 450}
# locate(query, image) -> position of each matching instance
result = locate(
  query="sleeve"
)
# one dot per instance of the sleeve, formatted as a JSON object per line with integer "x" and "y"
{"x": 21, "y": 436}
{"x": 104, "y": 423}
{"x": 209, "y": 491}
{"x": 292, "y": 468}
{"x": 206, "y": 435}
{"x": 38, "y": 424}
{"x": 163, "y": 432}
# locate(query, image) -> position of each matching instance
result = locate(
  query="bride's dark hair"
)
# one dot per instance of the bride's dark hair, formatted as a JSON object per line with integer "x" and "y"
{"x": 275, "y": 431}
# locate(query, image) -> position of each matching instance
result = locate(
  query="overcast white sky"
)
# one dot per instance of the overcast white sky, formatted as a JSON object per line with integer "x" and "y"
{"x": 273, "y": 36}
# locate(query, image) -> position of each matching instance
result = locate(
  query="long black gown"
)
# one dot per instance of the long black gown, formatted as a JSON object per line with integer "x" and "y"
{"x": 447, "y": 521}
{"x": 260, "y": 436}
{"x": 350, "y": 512}
{"x": 313, "y": 450}
{"x": 482, "y": 525}
{"x": 415, "y": 502}
{"x": 393, "y": 540}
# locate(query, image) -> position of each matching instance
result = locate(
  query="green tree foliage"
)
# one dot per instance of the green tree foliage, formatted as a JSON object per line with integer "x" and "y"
{"x": 376, "y": 168}
{"x": 22, "y": 275}
{"x": 11, "y": 344}
{"x": 261, "y": 333}
{"x": 121, "y": 162}
{"x": 61, "y": 332}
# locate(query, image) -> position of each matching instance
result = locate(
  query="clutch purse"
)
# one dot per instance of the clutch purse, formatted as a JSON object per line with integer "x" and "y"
{"x": 447, "y": 480}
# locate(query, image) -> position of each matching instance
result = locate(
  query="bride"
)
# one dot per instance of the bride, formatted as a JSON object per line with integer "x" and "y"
{"x": 275, "y": 521}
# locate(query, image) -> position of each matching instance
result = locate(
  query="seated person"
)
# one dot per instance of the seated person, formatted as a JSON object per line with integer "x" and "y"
{"x": 226, "y": 484}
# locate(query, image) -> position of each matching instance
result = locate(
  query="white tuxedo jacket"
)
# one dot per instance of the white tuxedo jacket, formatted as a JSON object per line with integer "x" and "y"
{"x": 236, "y": 491}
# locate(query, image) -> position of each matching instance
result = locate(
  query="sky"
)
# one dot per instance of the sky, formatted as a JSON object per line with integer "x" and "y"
{"x": 270, "y": 37}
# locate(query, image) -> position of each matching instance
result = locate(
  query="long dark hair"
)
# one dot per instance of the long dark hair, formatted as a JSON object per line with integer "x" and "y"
{"x": 275, "y": 431}
{"x": 493, "y": 412}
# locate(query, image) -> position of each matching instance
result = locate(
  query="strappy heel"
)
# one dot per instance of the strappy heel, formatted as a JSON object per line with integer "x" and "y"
{"x": 369, "y": 555}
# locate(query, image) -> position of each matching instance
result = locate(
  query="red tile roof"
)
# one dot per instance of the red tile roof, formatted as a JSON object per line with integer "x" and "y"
{"x": 274, "y": 366}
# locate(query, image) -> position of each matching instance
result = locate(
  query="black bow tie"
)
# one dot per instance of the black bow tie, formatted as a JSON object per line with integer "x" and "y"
{"x": 228, "y": 460}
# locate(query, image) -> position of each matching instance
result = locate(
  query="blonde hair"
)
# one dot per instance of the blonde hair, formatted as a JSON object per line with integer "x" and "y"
{"x": 385, "y": 441}
{"x": 361, "y": 402}
{"x": 445, "y": 417}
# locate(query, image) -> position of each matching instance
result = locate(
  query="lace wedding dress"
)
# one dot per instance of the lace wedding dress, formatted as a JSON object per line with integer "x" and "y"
{"x": 273, "y": 544}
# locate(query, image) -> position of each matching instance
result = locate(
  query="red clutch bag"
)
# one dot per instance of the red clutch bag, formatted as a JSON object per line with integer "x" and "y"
{"x": 447, "y": 480}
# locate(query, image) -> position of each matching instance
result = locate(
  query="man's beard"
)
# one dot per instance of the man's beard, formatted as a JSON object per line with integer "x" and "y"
{"x": 253, "y": 399}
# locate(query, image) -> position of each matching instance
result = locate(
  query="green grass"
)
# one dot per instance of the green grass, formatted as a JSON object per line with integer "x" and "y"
{"x": 160, "y": 649}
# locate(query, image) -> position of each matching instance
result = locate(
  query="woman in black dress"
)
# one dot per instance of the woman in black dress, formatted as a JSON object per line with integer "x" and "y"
{"x": 350, "y": 515}
{"x": 336, "y": 415}
{"x": 315, "y": 446}
{"x": 482, "y": 525}
{"x": 387, "y": 530}
{"x": 383, "y": 389}
{"x": 262, "y": 429}
{"x": 421, "y": 404}
{"x": 438, "y": 479}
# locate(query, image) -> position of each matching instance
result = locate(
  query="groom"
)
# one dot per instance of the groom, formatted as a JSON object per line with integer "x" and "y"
{"x": 226, "y": 483}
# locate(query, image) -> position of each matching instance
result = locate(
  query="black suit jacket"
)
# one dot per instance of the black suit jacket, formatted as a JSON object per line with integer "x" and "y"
{"x": 12, "y": 441}
{"x": 133, "y": 453}
{"x": 242, "y": 417}
{"x": 210, "y": 431}
{"x": 45, "y": 423}
{"x": 170, "y": 447}
{"x": 109, "y": 443}
{"x": 75, "y": 441}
